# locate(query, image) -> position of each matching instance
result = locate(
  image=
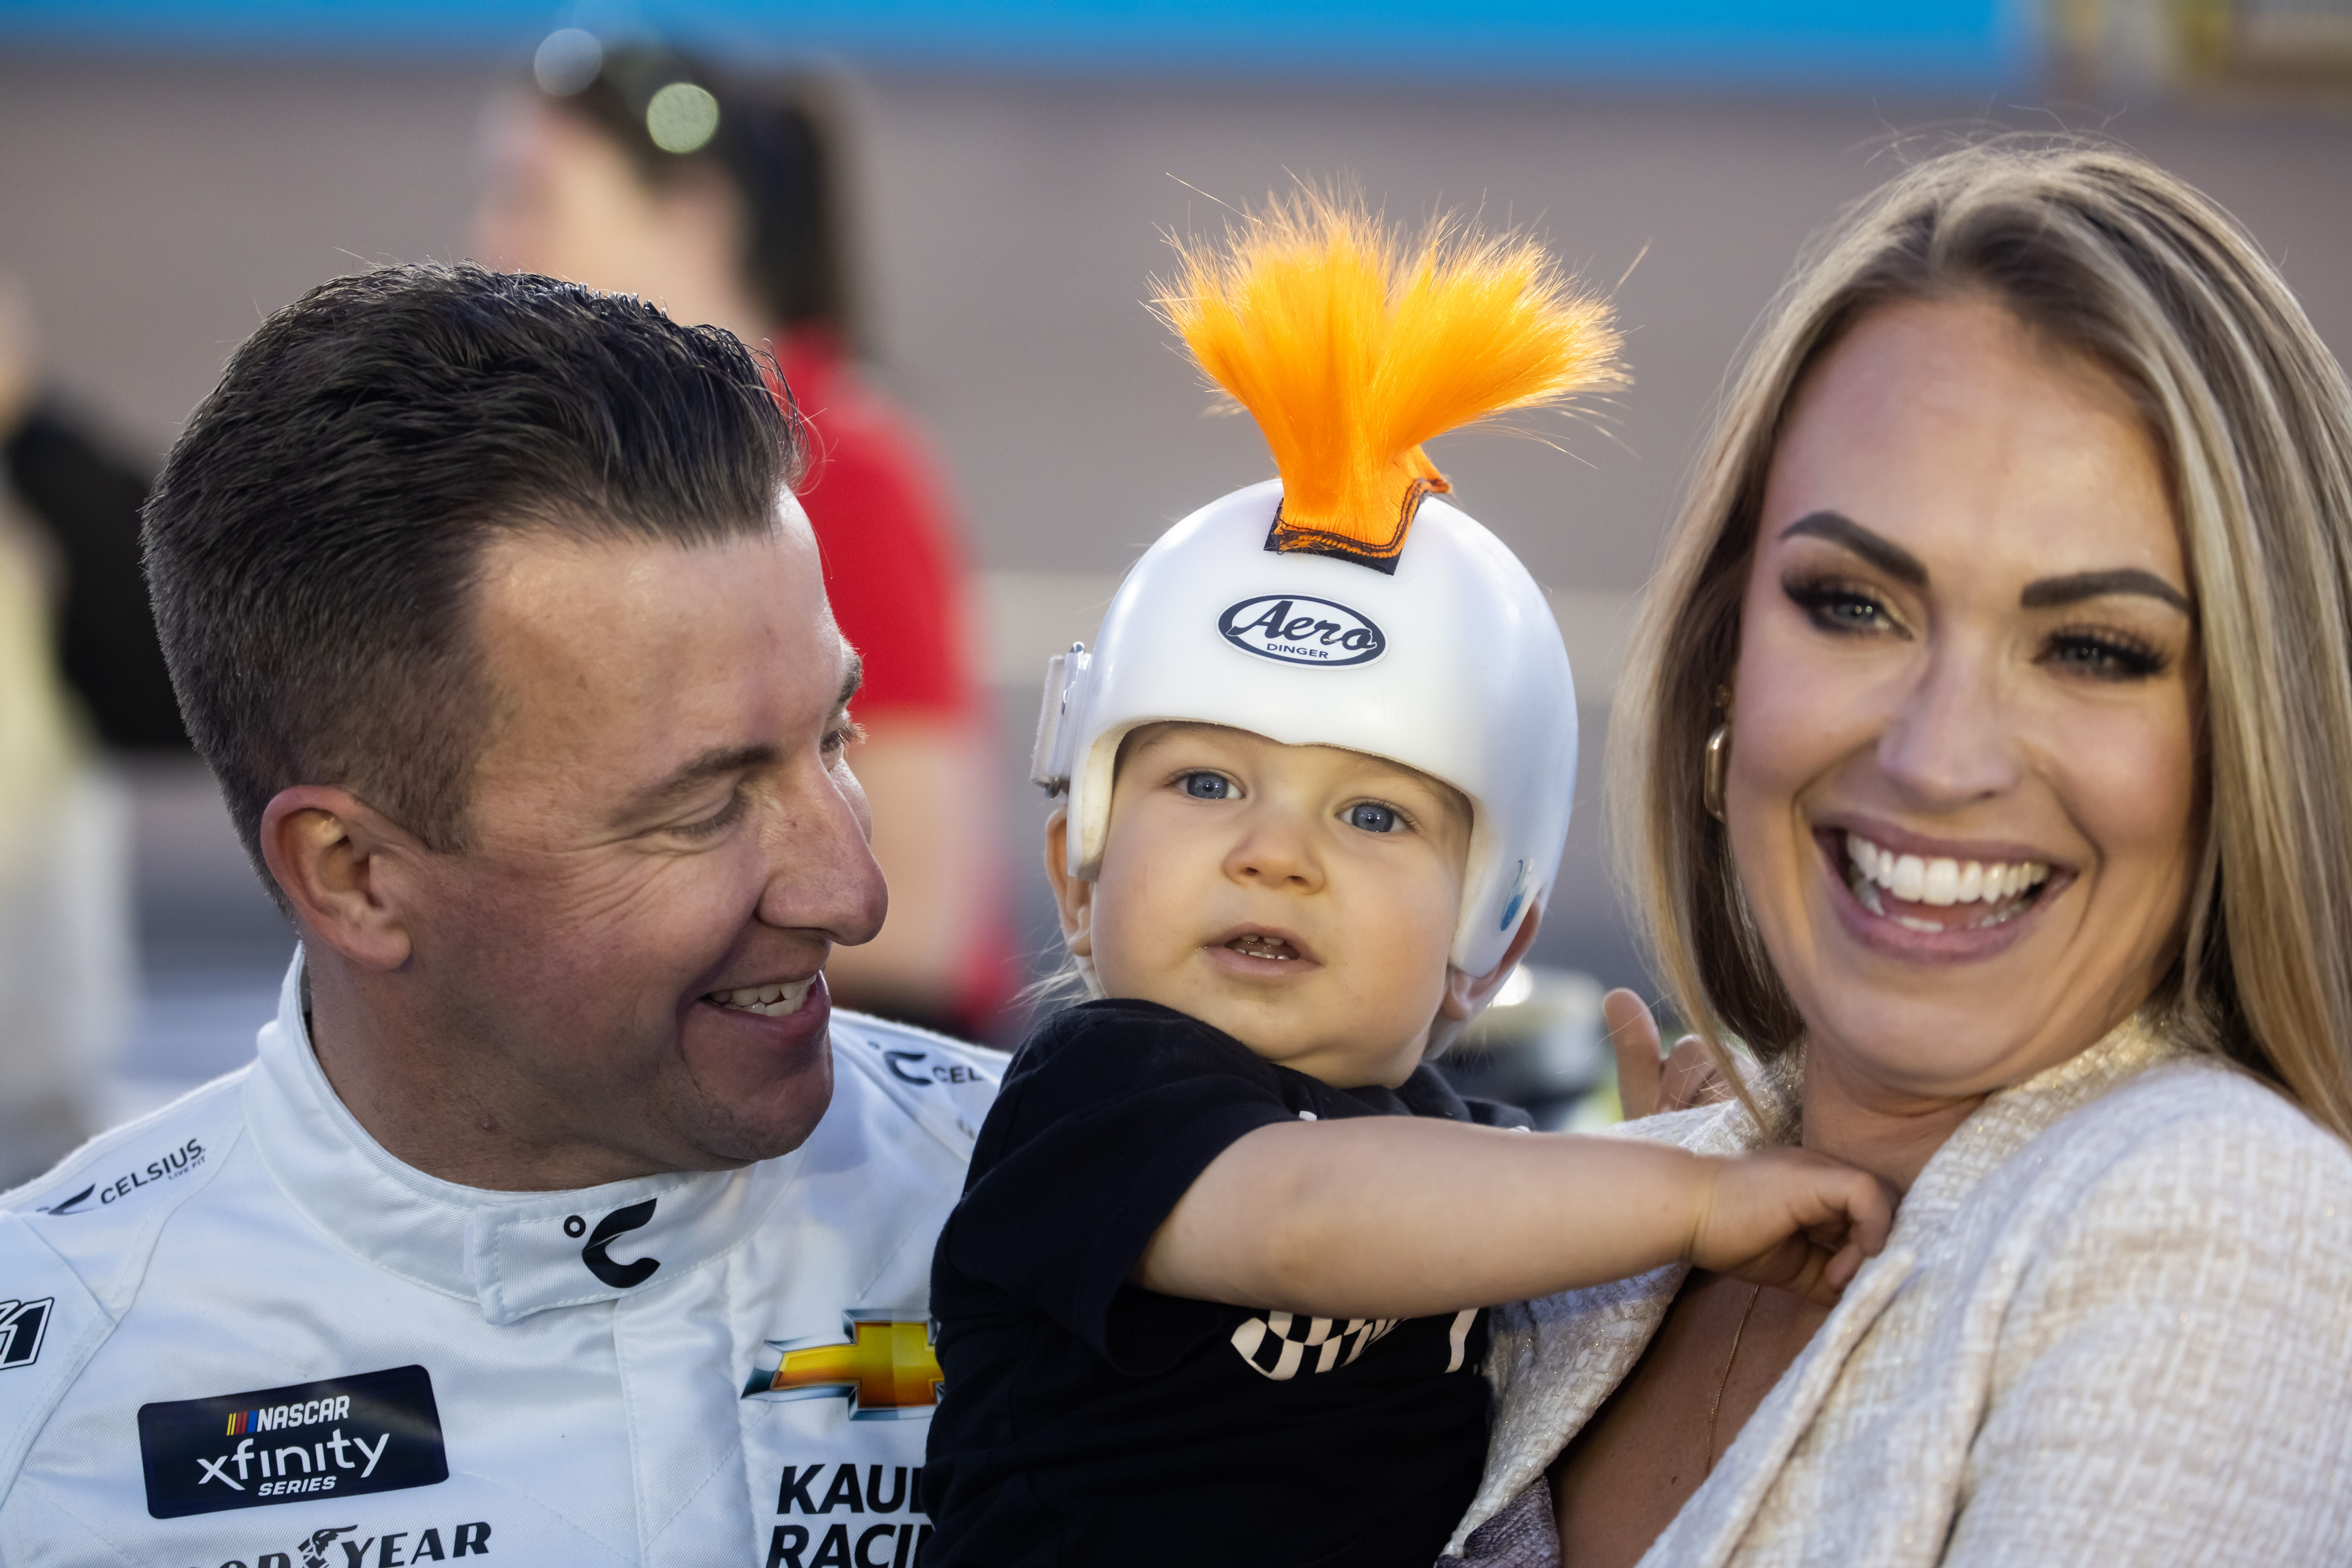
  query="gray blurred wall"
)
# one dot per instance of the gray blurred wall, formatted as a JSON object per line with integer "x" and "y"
{"x": 159, "y": 209}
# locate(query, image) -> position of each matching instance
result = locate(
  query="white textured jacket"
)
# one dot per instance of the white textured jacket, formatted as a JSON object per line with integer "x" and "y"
{"x": 239, "y": 1332}
{"x": 2113, "y": 1325}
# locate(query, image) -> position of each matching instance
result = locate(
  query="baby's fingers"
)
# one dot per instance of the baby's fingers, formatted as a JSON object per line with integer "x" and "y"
{"x": 1799, "y": 1266}
{"x": 1842, "y": 1269}
{"x": 1856, "y": 1203}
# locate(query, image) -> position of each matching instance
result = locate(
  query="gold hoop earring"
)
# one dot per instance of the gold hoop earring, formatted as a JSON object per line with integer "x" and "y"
{"x": 1719, "y": 761}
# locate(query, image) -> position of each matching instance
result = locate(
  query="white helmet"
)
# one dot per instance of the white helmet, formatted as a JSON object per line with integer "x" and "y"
{"x": 1383, "y": 620}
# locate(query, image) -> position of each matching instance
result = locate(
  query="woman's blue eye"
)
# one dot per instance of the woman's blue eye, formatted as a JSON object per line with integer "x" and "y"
{"x": 1373, "y": 817}
{"x": 1208, "y": 786}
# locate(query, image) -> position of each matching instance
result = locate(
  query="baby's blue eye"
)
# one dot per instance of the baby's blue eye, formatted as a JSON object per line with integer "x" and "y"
{"x": 1208, "y": 786}
{"x": 1373, "y": 817}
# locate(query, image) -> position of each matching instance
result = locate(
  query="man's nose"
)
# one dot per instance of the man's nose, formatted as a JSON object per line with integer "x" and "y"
{"x": 822, "y": 876}
{"x": 1953, "y": 738}
{"x": 1277, "y": 849}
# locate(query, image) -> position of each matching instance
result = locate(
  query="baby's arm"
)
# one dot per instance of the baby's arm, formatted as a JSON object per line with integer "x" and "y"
{"x": 1401, "y": 1218}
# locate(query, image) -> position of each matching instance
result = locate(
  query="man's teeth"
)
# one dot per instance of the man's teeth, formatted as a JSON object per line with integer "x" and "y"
{"x": 1917, "y": 879}
{"x": 1263, "y": 947}
{"x": 768, "y": 1001}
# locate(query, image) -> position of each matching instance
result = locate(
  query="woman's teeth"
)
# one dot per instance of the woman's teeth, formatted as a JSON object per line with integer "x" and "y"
{"x": 1263, "y": 947}
{"x": 768, "y": 1001}
{"x": 2004, "y": 887}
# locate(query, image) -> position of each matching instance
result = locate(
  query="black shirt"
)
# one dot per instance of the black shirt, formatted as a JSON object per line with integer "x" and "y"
{"x": 1088, "y": 1421}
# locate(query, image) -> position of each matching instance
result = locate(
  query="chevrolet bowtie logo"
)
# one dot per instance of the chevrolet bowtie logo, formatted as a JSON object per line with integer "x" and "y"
{"x": 888, "y": 1370}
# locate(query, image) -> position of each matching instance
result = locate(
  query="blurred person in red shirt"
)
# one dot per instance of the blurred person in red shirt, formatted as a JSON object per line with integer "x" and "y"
{"x": 641, "y": 171}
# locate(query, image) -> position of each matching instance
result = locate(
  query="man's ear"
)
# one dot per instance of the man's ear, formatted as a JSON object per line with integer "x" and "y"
{"x": 1073, "y": 896}
{"x": 1465, "y": 994}
{"x": 339, "y": 863}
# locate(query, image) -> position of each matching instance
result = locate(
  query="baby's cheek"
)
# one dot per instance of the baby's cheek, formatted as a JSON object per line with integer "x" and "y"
{"x": 1414, "y": 941}
{"x": 1127, "y": 939}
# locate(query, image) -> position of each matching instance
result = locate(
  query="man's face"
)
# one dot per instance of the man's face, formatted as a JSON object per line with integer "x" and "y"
{"x": 662, "y": 833}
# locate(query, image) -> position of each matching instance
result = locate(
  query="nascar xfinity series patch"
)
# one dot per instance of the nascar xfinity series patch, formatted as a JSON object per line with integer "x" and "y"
{"x": 346, "y": 1436}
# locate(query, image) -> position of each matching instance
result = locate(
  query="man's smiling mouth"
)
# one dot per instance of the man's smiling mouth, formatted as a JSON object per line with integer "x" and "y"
{"x": 771, "y": 1001}
{"x": 1935, "y": 895}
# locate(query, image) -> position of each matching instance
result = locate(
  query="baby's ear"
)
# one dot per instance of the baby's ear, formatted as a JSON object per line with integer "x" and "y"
{"x": 1465, "y": 994}
{"x": 1074, "y": 897}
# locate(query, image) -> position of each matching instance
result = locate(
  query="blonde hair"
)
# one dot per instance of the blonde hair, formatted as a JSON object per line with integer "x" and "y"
{"x": 2108, "y": 258}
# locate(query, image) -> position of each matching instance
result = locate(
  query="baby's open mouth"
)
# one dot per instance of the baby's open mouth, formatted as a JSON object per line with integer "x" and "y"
{"x": 771, "y": 1001}
{"x": 1254, "y": 945}
{"x": 1931, "y": 894}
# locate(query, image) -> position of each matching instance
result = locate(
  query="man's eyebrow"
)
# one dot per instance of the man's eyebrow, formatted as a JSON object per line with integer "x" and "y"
{"x": 2052, "y": 590}
{"x": 716, "y": 763}
{"x": 852, "y": 679}
{"x": 1879, "y": 551}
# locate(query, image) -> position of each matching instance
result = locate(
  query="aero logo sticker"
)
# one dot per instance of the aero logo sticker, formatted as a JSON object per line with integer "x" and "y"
{"x": 1291, "y": 628}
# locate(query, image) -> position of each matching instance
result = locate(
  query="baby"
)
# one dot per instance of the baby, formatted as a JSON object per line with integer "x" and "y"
{"x": 1215, "y": 1294}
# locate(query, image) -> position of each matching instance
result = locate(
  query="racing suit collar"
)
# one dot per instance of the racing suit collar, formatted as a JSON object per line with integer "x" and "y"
{"x": 513, "y": 1253}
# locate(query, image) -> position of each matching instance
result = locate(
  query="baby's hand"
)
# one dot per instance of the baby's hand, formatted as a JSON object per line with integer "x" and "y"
{"x": 1792, "y": 1219}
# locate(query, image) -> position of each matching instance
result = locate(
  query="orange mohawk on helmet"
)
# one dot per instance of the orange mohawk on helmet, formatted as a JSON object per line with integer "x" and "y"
{"x": 1350, "y": 349}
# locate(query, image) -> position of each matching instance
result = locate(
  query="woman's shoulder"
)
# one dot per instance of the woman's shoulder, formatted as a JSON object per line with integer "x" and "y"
{"x": 2198, "y": 1114}
{"x": 2188, "y": 1156}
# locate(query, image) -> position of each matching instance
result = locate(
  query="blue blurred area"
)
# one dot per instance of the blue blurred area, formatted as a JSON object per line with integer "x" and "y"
{"x": 1825, "y": 44}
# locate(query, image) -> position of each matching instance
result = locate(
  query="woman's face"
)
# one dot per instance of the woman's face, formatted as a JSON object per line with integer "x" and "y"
{"x": 1963, "y": 787}
{"x": 558, "y": 197}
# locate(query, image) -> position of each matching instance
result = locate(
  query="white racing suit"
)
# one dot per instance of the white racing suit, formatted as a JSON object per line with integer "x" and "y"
{"x": 237, "y": 1331}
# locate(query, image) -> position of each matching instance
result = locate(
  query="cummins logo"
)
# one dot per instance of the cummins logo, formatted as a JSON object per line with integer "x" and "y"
{"x": 1295, "y": 629}
{"x": 603, "y": 1265}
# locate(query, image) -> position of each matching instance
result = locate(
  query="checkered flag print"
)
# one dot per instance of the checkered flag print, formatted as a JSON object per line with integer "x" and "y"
{"x": 1277, "y": 1345}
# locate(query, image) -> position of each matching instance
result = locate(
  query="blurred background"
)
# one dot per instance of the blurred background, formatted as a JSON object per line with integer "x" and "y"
{"x": 1000, "y": 177}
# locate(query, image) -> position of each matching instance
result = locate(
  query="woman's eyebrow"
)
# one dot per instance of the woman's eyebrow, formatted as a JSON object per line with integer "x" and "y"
{"x": 1880, "y": 552}
{"x": 2050, "y": 590}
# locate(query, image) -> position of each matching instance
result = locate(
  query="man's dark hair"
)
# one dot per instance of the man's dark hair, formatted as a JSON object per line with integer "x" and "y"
{"x": 313, "y": 540}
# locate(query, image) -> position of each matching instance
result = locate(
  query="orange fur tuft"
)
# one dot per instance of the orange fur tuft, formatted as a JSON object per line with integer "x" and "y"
{"x": 1351, "y": 348}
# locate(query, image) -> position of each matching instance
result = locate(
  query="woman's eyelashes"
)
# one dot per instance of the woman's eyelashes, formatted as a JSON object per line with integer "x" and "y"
{"x": 2104, "y": 653}
{"x": 1846, "y": 608}
{"x": 1841, "y": 604}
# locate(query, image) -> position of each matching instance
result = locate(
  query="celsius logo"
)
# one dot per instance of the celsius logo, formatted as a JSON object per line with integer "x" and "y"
{"x": 1295, "y": 629}
{"x": 173, "y": 1164}
{"x": 619, "y": 1275}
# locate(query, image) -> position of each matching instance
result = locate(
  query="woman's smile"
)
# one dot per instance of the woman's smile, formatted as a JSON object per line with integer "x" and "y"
{"x": 1911, "y": 896}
